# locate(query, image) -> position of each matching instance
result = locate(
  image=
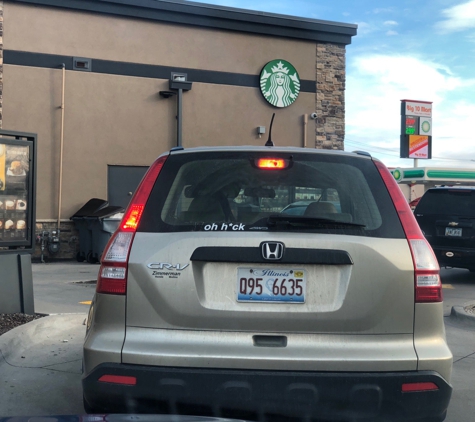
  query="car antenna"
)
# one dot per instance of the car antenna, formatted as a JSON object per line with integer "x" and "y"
{"x": 269, "y": 142}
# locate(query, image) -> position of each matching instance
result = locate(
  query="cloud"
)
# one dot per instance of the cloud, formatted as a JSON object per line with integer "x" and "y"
{"x": 407, "y": 74}
{"x": 458, "y": 18}
{"x": 373, "y": 114}
{"x": 382, "y": 10}
{"x": 365, "y": 28}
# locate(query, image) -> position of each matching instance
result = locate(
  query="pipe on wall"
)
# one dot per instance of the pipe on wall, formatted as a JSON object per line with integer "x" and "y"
{"x": 63, "y": 66}
{"x": 305, "y": 123}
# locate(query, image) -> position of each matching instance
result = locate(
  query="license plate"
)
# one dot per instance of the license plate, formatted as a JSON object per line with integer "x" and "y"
{"x": 275, "y": 285}
{"x": 453, "y": 232}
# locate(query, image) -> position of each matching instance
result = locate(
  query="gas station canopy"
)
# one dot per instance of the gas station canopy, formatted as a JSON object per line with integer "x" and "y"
{"x": 434, "y": 176}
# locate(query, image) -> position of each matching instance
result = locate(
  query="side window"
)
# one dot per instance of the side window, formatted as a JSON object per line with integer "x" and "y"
{"x": 280, "y": 200}
{"x": 333, "y": 197}
{"x": 264, "y": 199}
{"x": 183, "y": 202}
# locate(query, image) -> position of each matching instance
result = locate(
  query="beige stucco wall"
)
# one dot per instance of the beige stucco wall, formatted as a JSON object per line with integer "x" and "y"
{"x": 140, "y": 41}
{"x": 122, "y": 120}
{"x": 33, "y": 100}
{"x": 112, "y": 119}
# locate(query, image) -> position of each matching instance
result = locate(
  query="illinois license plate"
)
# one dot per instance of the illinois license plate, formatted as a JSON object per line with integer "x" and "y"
{"x": 271, "y": 285}
{"x": 453, "y": 232}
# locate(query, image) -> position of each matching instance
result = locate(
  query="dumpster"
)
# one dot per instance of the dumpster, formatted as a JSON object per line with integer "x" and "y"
{"x": 79, "y": 218}
{"x": 102, "y": 224}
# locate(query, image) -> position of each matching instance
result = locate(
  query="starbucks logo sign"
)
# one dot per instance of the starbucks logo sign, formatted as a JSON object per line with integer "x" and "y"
{"x": 280, "y": 83}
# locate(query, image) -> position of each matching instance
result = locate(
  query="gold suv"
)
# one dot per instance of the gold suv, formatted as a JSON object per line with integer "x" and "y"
{"x": 215, "y": 296}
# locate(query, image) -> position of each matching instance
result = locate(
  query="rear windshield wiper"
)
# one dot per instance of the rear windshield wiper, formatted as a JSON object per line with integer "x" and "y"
{"x": 294, "y": 220}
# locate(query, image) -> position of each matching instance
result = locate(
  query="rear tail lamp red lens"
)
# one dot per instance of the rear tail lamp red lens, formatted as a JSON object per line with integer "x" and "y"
{"x": 418, "y": 387}
{"x": 131, "y": 222}
{"x": 428, "y": 287}
{"x": 118, "y": 379}
{"x": 112, "y": 277}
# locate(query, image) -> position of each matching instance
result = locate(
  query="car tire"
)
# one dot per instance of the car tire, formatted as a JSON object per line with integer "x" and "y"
{"x": 90, "y": 258}
{"x": 80, "y": 257}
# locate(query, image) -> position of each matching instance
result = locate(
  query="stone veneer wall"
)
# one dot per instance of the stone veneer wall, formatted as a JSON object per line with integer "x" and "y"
{"x": 330, "y": 97}
{"x": 69, "y": 240}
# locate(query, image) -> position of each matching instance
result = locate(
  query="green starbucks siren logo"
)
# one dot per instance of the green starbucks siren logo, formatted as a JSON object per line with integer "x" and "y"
{"x": 280, "y": 83}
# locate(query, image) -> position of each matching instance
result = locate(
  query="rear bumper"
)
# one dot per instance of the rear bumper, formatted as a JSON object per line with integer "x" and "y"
{"x": 252, "y": 393}
{"x": 461, "y": 258}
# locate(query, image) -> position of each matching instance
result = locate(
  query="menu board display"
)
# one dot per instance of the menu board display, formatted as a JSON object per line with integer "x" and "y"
{"x": 14, "y": 192}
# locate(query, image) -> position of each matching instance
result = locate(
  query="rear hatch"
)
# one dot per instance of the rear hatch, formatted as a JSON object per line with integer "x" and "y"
{"x": 447, "y": 217}
{"x": 217, "y": 249}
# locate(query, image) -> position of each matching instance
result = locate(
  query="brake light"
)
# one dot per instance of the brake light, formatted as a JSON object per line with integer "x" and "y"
{"x": 418, "y": 386}
{"x": 118, "y": 379}
{"x": 271, "y": 163}
{"x": 112, "y": 278}
{"x": 132, "y": 218}
{"x": 428, "y": 287}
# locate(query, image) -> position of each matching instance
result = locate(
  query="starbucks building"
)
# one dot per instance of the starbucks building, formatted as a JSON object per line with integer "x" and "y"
{"x": 108, "y": 85}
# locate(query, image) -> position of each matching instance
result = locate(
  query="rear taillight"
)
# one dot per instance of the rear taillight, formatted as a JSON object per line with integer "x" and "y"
{"x": 118, "y": 379}
{"x": 428, "y": 287}
{"x": 112, "y": 277}
{"x": 413, "y": 387}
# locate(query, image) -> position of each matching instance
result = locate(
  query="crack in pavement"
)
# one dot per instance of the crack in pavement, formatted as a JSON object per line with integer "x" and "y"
{"x": 458, "y": 360}
{"x": 40, "y": 367}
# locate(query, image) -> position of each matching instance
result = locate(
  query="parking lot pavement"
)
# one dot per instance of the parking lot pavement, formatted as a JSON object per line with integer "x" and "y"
{"x": 461, "y": 340}
{"x": 459, "y": 287}
{"x": 40, "y": 367}
{"x": 40, "y": 362}
{"x": 63, "y": 287}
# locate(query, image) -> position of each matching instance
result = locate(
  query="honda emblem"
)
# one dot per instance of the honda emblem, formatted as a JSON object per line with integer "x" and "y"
{"x": 272, "y": 251}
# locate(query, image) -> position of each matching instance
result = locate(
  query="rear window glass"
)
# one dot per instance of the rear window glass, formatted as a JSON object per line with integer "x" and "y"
{"x": 229, "y": 192}
{"x": 448, "y": 202}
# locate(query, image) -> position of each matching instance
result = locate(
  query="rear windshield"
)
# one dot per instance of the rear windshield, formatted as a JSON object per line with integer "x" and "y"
{"x": 226, "y": 192}
{"x": 448, "y": 202}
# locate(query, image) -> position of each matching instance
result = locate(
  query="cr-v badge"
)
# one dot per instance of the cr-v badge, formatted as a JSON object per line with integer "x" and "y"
{"x": 166, "y": 270}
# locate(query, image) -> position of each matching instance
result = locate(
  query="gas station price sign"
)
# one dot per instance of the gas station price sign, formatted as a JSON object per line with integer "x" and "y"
{"x": 416, "y": 129}
{"x": 411, "y": 125}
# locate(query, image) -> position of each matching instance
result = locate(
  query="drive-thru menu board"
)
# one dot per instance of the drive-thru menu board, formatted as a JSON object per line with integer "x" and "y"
{"x": 16, "y": 196}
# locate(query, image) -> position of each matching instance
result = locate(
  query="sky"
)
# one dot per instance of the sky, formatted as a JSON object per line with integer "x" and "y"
{"x": 404, "y": 49}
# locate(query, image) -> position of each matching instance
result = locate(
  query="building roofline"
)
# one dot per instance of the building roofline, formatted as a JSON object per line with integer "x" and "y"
{"x": 211, "y": 16}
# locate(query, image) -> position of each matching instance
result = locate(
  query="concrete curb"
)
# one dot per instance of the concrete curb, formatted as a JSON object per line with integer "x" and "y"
{"x": 458, "y": 312}
{"x": 39, "y": 338}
